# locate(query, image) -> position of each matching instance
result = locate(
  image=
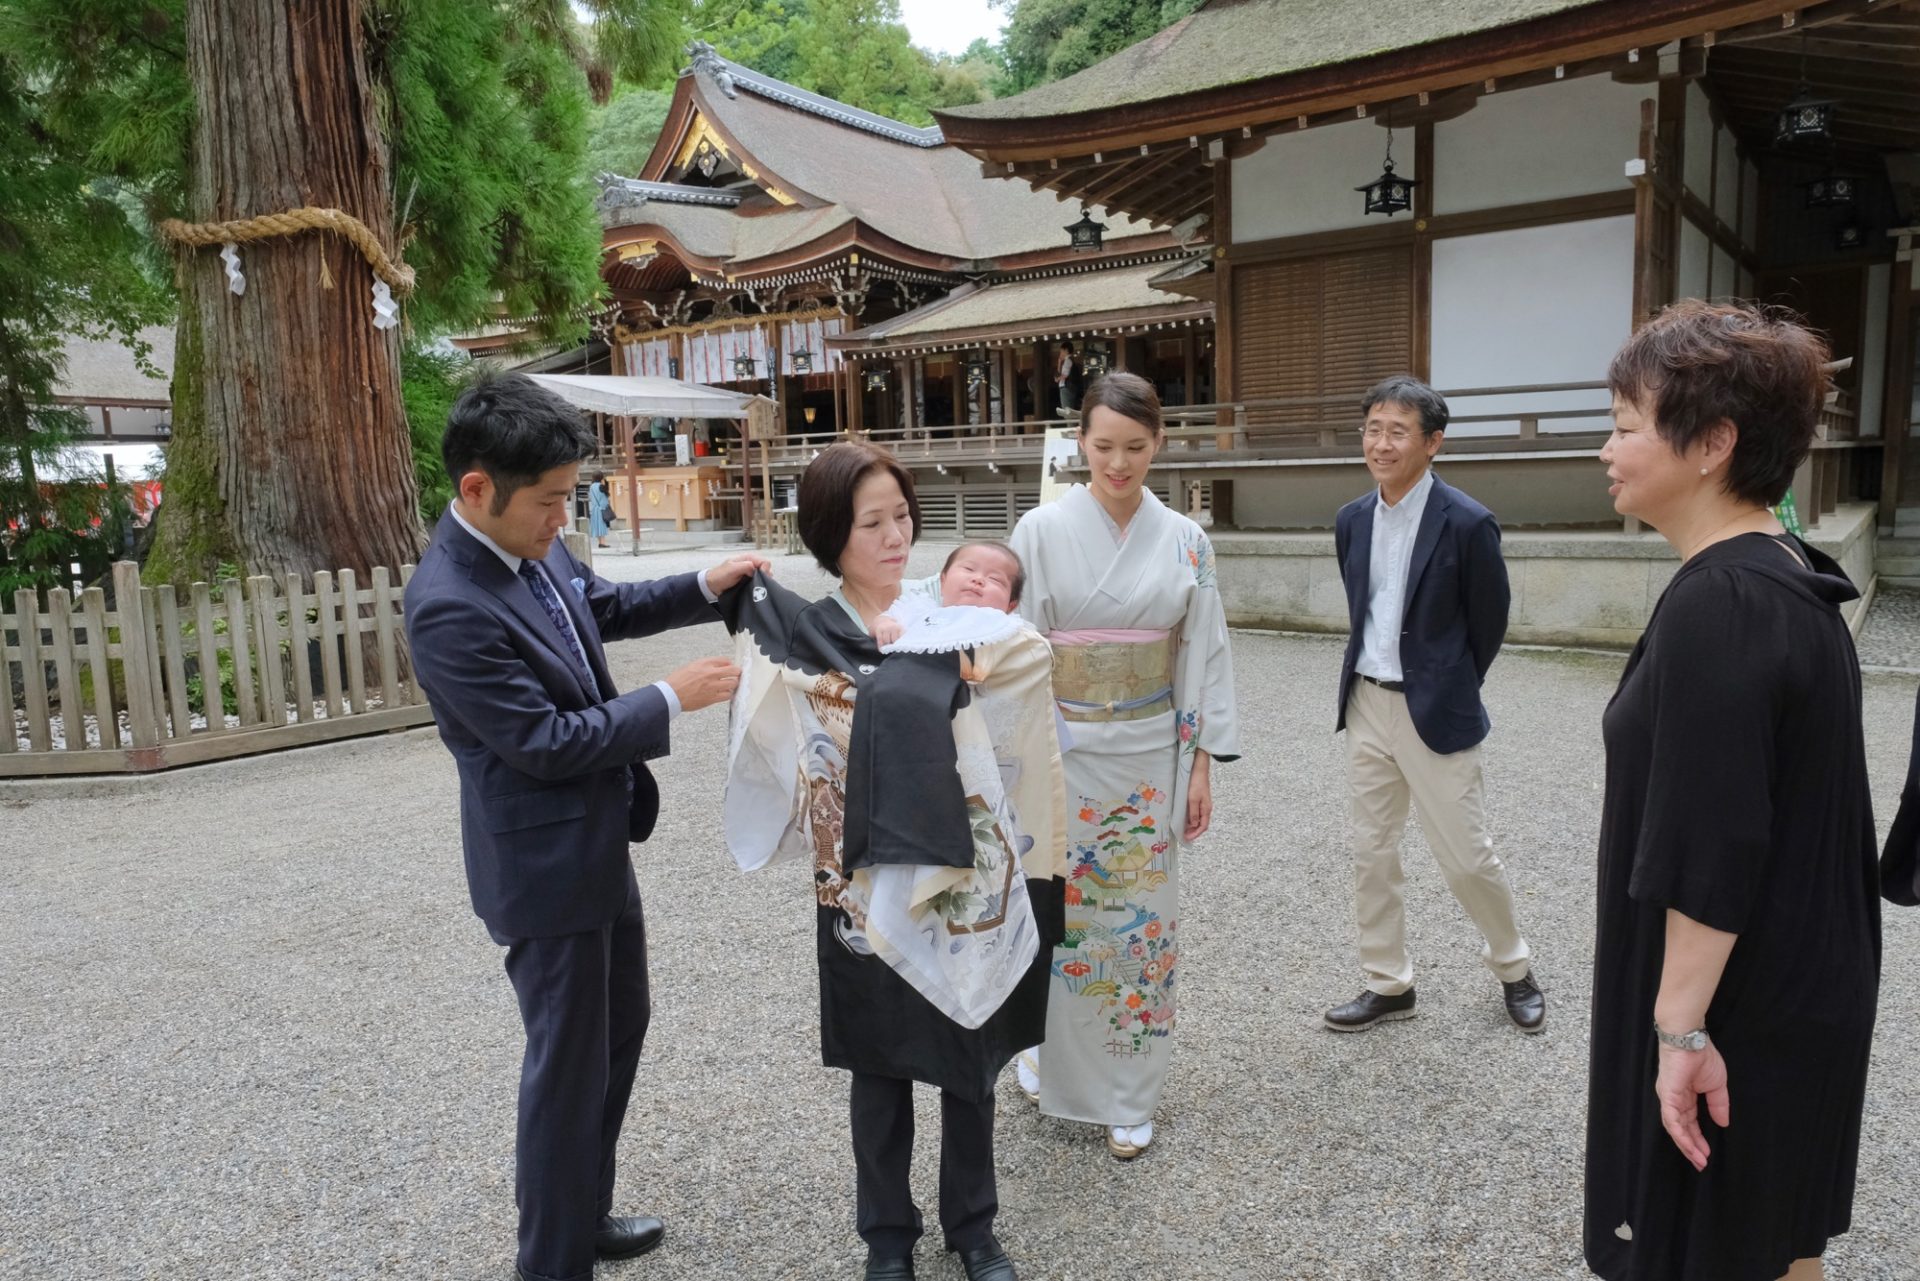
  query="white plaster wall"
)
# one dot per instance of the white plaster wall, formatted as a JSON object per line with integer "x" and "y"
{"x": 1726, "y": 191}
{"x": 1696, "y": 165}
{"x": 1725, "y": 280}
{"x": 1533, "y": 305}
{"x": 1871, "y": 364}
{"x": 1301, "y": 183}
{"x": 1695, "y": 251}
{"x": 1567, "y": 138}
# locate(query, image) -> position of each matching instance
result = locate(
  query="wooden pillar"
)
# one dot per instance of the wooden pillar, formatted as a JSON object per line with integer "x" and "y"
{"x": 1190, "y": 359}
{"x": 1009, "y": 389}
{"x": 776, "y": 360}
{"x": 959, "y": 380}
{"x": 856, "y": 394}
{"x": 1225, "y": 387}
{"x": 1898, "y": 401}
{"x": 903, "y": 381}
{"x": 1423, "y": 251}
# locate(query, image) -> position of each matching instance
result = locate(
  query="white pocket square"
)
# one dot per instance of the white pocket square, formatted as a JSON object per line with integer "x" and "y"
{"x": 580, "y": 587}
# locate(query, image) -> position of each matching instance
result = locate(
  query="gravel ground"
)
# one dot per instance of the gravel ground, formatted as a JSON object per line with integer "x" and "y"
{"x": 1891, "y": 637}
{"x": 253, "y": 1029}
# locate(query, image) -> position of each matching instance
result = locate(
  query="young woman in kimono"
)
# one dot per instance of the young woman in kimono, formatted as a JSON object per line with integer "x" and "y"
{"x": 928, "y": 798}
{"x": 1124, "y": 589}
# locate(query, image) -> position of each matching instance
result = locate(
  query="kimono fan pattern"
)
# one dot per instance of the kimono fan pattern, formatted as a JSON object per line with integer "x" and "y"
{"x": 925, "y": 792}
{"x": 1145, "y": 678}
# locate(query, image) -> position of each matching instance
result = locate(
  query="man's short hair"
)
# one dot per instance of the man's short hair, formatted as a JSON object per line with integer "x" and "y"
{"x": 1760, "y": 369}
{"x": 1019, "y": 583}
{"x": 1409, "y": 392}
{"x": 515, "y": 431}
{"x": 826, "y": 497}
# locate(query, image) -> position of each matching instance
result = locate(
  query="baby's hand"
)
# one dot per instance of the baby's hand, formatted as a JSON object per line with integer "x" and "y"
{"x": 886, "y": 630}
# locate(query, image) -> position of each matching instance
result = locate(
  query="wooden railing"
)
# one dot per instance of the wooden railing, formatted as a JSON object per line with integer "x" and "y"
{"x": 238, "y": 667}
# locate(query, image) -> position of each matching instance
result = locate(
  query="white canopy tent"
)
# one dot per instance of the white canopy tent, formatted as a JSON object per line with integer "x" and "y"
{"x": 634, "y": 397}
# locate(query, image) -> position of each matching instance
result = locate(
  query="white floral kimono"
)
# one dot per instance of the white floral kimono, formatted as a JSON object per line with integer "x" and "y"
{"x": 1143, "y": 674}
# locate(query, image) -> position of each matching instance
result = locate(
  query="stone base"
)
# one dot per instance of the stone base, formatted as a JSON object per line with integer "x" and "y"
{"x": 1568, "y": 589}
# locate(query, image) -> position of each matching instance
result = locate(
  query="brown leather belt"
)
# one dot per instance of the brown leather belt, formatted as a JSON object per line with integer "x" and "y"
{"x": 1392, "y": 687}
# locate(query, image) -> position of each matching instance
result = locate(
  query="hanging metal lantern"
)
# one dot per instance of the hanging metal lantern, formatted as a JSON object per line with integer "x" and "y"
{"x": 1086, "y": 233}
{"x": 673, "y": 366}
{"x": 1388, "y": 194}
{"x": 743, "y": 367}
{"x": 802, "y": 361}
{"x": 876, "y": 380}
{"x": 1850, "y": 235}
{"x": 1805, "y": 119}
{"x": 978, "y": 372}
{"x": 1830, "y": 191}
{"x": 1096, "y": 362}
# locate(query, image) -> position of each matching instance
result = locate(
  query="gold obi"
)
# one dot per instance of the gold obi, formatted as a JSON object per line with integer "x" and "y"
{"x": 1113, "y": 681}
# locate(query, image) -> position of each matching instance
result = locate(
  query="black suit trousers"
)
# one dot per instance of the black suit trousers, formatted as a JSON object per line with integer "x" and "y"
{"x": 885, "y": 1215}
{"x": 584, "y": 1001}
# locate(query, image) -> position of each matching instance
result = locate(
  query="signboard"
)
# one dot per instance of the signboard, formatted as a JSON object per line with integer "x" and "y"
{"x": 683, "y": 450}
{"x": 1062, "y": 448}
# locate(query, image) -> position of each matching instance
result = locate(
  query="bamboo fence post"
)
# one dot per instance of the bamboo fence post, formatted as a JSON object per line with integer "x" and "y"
{"x": 174, "y": 645}
{"x": 298, "y": 646}
{"x": 235, "y": 601}
{"x": 142, "y": 721}
{"x": 211, "y": 685}
{"x": 384, "y": 599}
{"x": 33, "y": 671}
{"x": 73, "y": 721}
{"x": 98, "y": 657}
{"x": 350, "y": 623}
{"x": 329, "y": 642}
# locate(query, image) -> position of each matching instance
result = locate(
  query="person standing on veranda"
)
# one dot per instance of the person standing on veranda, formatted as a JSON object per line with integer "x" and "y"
{"x": 1124, "y": 589}
{"x": 1737, "y": 949}
{"x": 1427, "y": 598}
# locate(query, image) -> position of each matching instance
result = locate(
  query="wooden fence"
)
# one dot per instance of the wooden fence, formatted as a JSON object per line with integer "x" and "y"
{"x": 235, "y": 668}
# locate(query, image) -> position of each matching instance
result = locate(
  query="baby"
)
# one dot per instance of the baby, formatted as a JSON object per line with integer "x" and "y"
{"x": 977, "y": 576}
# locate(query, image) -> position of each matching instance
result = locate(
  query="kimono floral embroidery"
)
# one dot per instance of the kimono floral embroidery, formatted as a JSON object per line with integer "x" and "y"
{"x": 1189, "y": 731}
{"x": 1196, "y": 553}
{"x": 1118, "y": 858}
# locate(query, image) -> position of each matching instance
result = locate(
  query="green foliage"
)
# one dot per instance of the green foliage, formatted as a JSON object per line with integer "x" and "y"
{"x": 429, "y": 381}
{"x": 70, "y": 265}
{"x": 1049, "y": 40}
{"x": 621, "y": 134}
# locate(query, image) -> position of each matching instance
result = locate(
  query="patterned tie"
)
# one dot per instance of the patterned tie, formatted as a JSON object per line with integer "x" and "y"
{"x": 542, "y": 588}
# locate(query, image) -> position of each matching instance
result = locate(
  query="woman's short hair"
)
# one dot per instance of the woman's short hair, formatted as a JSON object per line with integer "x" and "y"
{"x": 515, "y": 431}
{"x": 1128, "y": 395}
{"x": 1761, "y": 369}
{"x": 826, "y": 497}
{"x": 1409, "y": 392}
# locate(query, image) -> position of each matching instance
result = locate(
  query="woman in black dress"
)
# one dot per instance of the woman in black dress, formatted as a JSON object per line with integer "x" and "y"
{"x": 1737, "y": 953}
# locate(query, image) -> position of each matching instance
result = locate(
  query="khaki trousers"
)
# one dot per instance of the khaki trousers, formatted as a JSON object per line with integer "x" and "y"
{"x": 1388, "y": 765}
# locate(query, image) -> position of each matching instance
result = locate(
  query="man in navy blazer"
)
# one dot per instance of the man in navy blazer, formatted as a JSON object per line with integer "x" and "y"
{"x": 506, "y": 630}
{"x": 1427, "y": 599}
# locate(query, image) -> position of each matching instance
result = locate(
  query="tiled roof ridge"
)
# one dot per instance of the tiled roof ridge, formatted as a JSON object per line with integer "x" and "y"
{"x": 671, "y": 192}
{"x": 729, "y": 77}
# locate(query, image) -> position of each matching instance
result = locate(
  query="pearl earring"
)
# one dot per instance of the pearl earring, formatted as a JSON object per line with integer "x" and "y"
{"x": 1703, "y": 471}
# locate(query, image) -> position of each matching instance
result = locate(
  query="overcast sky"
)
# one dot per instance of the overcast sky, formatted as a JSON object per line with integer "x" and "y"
{"x": 949, "y": 26}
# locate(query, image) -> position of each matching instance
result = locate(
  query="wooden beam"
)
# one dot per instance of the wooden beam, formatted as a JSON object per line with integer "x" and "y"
{"x": 1423, "y": 250}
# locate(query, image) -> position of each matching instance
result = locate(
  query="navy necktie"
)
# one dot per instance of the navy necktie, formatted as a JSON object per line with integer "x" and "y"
{"x": 542, "y": 588}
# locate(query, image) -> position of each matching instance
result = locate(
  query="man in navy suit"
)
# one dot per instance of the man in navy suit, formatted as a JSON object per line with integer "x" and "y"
{"x": 1427, "y": 599}
{"x": 506, "y": 629}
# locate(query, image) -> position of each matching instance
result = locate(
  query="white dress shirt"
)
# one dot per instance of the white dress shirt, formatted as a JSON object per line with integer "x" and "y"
{"x": 513, "y": 562}
{"x": 1395, "y": 528}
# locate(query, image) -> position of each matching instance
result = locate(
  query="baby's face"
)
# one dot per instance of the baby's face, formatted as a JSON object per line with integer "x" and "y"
{"x": 981, "y": 576}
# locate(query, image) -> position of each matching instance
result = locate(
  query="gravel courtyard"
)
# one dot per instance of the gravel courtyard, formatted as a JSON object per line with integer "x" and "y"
{"x": 252, "y": 1028}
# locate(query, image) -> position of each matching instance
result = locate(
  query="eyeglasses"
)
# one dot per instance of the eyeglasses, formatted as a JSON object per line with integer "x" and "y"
{"x": 1374, "y": 435}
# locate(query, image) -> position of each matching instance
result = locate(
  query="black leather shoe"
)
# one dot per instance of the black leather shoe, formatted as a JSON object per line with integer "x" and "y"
{"x": 899, "y": 1268}
{"x": 622, "y": 1236}
{"x": 987, "y": 1263}
{"x": 1368, "y": 1008}
{"x": 1526, "y": 1004}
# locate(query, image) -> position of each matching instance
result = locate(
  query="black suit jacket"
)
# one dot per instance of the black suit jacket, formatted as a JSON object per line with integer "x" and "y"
{"x": 552, "y": 787}
{"x": 1456, "y": 614}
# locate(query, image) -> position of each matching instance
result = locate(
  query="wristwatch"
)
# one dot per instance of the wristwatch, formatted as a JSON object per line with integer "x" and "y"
{"x": 1694, "y": 1040}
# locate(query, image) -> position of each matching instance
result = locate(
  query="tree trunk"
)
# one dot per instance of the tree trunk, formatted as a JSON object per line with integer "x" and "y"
{"x": 290, "y": 451}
